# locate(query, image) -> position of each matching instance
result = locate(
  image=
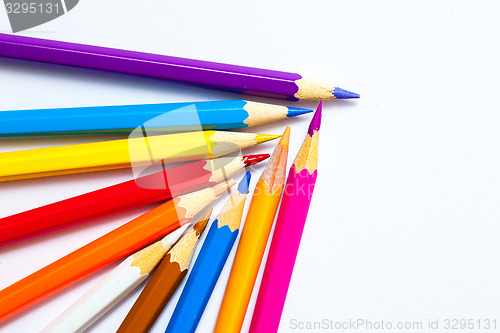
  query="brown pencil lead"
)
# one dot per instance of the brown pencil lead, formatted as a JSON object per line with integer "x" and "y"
{"x": 200, "y": 226}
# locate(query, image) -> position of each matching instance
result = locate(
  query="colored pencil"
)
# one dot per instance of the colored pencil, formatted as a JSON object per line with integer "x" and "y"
{"x": 159, "y": 118}
{"x": 253, "y": 240}
{"x": 238, "y": 79}
{"x": 115, "y": 154}
{"x": 114, "y": 245}
{"x": 113, "y": 287}
{"x": 164, "y": 282}
{"x": 287, "y": 233}
{"x": 209, "y": 263}
{"x": 131, "y": 194}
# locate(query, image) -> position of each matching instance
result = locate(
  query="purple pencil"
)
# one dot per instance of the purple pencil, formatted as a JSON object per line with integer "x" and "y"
{"x": 239, "y": 79}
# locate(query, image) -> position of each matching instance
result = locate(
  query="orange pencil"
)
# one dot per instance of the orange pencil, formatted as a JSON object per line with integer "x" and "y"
{"x": 114, "y": 245}
{"x": 253, "y": 240}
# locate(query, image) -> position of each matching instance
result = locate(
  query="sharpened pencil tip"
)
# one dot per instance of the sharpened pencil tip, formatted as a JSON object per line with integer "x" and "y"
{"x": 292, "y": 112}
{"x": 244, "y": 185}
{"x": 202, "y": 222}
{"x": 285, "y": 138}
{"x": 254, "y": 159}
{"x": 260, "y": 138}
{"x": 222, "y": 187}
{"x": 344, "y": 94}
{"x": 206, "y": 215}
{"x": 316, "y": 121}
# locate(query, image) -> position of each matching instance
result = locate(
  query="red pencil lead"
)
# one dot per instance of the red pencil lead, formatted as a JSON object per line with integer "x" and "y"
{"x": 253, "y": 159}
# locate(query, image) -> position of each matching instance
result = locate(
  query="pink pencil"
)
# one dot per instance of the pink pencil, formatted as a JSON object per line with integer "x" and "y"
{"x": 289, "y": 226}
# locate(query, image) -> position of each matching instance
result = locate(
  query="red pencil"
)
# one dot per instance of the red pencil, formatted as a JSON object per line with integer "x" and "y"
{"x": 134, "y": 193}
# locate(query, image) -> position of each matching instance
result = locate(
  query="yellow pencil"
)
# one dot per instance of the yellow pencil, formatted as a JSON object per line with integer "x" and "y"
{"x": 253, "y": 240}
{"x": 138, "y": 151}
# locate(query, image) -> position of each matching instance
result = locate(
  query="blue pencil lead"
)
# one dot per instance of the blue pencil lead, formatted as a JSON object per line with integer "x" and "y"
{"x": 292, "y": 112}
{"x": 243, "y": 187}
{"x": 344, "y": 94}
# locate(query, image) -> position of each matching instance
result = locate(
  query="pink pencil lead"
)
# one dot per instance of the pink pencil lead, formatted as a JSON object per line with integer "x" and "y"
{"x": 316, "y": 121}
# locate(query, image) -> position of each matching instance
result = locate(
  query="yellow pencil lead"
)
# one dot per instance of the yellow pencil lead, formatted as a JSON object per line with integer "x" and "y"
{"x": 260, "y": 138}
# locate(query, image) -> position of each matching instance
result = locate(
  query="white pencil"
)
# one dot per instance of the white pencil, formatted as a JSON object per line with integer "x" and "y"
{"x": 114, "y": 287}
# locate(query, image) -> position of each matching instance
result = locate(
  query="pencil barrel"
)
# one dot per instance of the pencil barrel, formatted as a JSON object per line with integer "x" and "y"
{"x": 283, "y": 251}
{"x": 155, "y": 296}
{"x": 248, "y": 258}
{"x": 233, "y": 78}
{"x": 123, "y": 119}
{"x": 135, "y": 193}
{"x": 138, "y": 152}
{"x": 202, "y": 279}
{"x": 88, "y": 259}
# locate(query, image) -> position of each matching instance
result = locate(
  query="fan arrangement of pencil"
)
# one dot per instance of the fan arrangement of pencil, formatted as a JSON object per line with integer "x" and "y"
{"x": 160, "y": 243}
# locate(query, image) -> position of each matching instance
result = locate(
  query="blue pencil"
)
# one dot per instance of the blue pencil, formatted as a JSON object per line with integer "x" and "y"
{"x": 208, "y": 266}
{"x": 164, "y": 118}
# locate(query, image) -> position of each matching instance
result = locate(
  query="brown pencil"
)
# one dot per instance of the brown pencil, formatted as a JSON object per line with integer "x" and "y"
{"x": 164, "y": 282}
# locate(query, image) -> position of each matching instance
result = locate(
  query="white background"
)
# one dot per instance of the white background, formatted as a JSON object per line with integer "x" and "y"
{"x": 404, "y": 223}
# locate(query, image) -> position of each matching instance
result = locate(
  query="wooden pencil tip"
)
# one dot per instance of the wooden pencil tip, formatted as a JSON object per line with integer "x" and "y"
{"x": 260, "y": 138}
{"x": 207, "y": 215}
{"x": 222, "y": 187}
{"x": 199, "y": 227}
{"x": 285, "y": 138}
